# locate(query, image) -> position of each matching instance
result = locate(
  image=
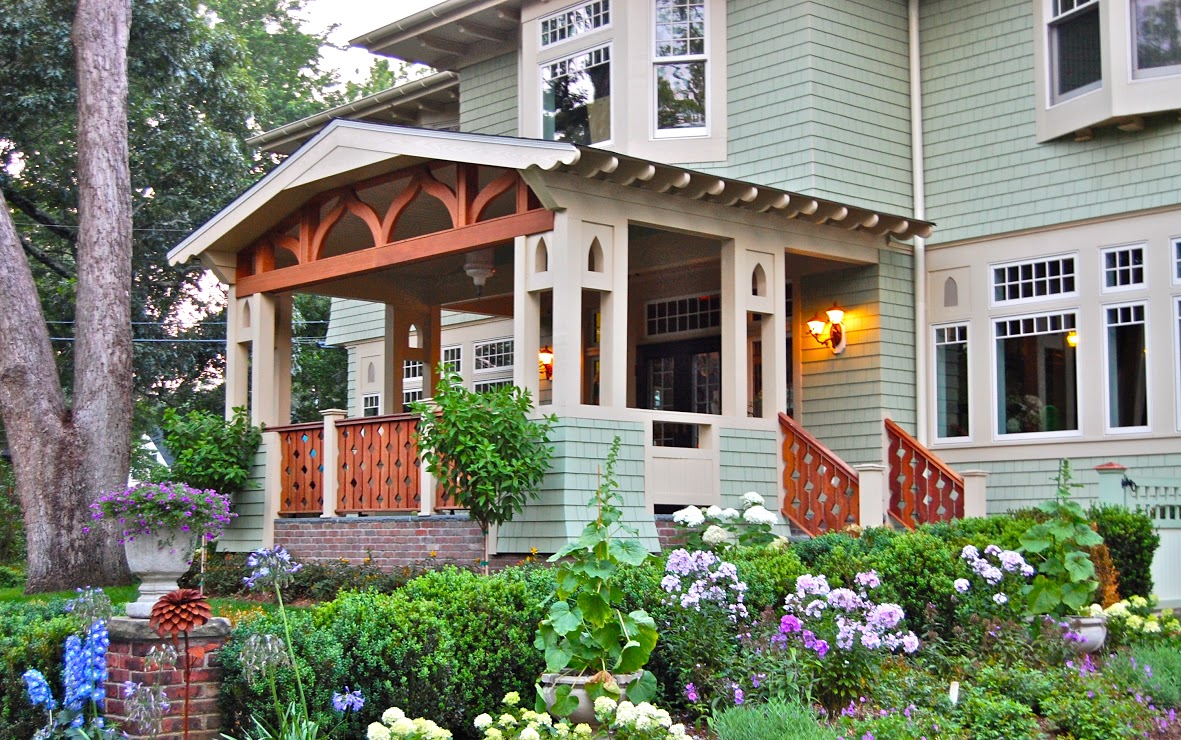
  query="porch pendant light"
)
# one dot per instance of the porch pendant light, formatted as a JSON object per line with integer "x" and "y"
{"x": 479, "y": 267}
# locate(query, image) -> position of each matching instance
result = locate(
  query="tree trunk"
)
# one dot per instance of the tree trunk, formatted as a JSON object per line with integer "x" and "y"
{"x": 64, "y": 458}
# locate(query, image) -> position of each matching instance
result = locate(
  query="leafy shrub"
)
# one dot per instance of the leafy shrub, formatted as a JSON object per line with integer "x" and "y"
{"x": 1017, "y": 682}
{"x": 1160, "y": 673}
{"x": 775, "y": 720}
{"x": 11, "y": 577}
{"x": 917, "y": 569}
{"x": 208, "y": 451}
{"x": 316, "y": 581}
{"x": 769, "y": 573}
{"x": 31, "y": 636}
{"x": 1088, "y": 704}
{"x": 1132, "y": 541}
{"x": 1004, "y": 531}
{"x": 993, "y": 717}
{"x": 12, "y": 537}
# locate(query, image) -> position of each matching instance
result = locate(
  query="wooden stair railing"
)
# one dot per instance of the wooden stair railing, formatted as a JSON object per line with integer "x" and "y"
{"x": 301, "y": 469}
{"x": 820, "y": 490}
{"x": 923, "y": 488}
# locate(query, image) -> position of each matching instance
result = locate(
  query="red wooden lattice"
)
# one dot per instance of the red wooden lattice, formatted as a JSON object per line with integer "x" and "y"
{"x": 820, "y": 490}
{"x": 301, "y": 469}
{"x": 922, "y": 488}
{"x": 378, "y": 466}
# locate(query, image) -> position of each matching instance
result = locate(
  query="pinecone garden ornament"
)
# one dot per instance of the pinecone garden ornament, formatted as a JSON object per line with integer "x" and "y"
{"x": 179, "y": 612}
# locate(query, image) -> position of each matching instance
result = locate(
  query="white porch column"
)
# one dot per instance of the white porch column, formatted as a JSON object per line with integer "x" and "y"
{"x": 238, "y": 335}
{"x": 263, "y": 369}
{"x": 567, "y": 261}
{"x": 272, "y": 487}
{"x": 975, "y": 492}
{"x": 330, "y": 451}
{"x": 872, "y": 494}
{"x": 613, "y": 364}
{"x": 733, "y": 332}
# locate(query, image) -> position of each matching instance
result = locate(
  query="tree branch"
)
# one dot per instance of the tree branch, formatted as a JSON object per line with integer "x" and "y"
{"x": 30, "y": 209}
{"x": 44, "y": 258}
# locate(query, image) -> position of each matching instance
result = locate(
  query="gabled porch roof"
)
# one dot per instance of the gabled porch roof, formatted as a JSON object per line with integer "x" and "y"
{"x": 349, "y": 151}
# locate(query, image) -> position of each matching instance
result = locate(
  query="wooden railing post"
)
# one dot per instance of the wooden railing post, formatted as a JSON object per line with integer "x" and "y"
{"x": 975, "y": 493}
{"x": 872, "y": 494}
{"x": 330, "y": 449}
{"x": 1111, "y": 489}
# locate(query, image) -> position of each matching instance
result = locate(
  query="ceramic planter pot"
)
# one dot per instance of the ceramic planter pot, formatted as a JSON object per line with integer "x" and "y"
{"x": 158, "y": 568}
{"x": 1093, "y": 631}
{"x": 586, "y": 709}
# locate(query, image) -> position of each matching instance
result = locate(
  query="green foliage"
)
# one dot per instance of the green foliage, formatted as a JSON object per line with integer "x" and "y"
{"x": 1133, "y": 541}
{"x": 1059, "y": 550}
{"x": 12, "y": 537}
{"x": 769, "y": 574}
{"x": 775, "y": 720}
{"x": 209, "y": 452}
{"x": 483, "y": 448}
{"x": 319, "y": 373}
{"x": 1093, "y": 706}
{"x": 31, "y": 636}
{"x": 11, "y": 577}
{"x": 916, "y": 569}
{"x": 1004, "y": 531}
{"x": 1158, "y": 672}
{"x": 315, "y": 581}
{"x": 993, "y": 717}
{"x": 585, "y": 632}
{"x": 1018, "y": 682}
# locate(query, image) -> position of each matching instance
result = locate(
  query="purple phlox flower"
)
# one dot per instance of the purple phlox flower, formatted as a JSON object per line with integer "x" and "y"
{"x": 691, "y": 692}
{"x": 850, "y": 710}
{"x": 843, "y": 598}
{"x": 868, "y": 579}
{"x": 347, "y": 701}
{"x": 969, "y": 552}
{"x": 789, "y": 624}
{"x": 1011, "y": 561}
{"x": 1000, "y": 598}
{"x": 756, "y": 679}
{"x": 993, "y": 550}
{"x": 885, "y": 616}
{"x": 871, "y": 640}
{"x": 809, "y": 584}
{"x": 962, "y": 585}
{"x": 738, "y": 695}
{"x": 910, "y": 642}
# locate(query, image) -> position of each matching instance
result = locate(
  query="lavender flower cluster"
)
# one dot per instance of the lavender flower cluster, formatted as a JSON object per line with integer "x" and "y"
{"x": 993, "y": 567}
{"x": 270, "y": 568}
{"x": 162, "y": 507}
{"x": 699, "y": 576}
{"x": 854, "y": 619}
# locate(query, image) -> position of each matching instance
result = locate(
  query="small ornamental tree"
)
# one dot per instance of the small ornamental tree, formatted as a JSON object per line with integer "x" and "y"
{"x": 483, "y": 448}
{"x": 210, "y": 452}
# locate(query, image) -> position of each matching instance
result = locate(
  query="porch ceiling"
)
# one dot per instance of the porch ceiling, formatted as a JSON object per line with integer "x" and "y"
{"x": 347, "y": 152}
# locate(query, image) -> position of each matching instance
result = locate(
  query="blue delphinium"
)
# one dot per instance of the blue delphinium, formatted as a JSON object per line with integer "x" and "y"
{"x": 39, "y": 692}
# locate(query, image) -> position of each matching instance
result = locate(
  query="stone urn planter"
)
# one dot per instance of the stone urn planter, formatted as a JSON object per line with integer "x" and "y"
{"x": 586, "y": 708}
{"x": 1092, "y": 629}
{"x": 157, "y": 566}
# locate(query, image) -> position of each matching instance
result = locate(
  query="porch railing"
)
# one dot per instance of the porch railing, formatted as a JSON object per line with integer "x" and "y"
{"x": 821, "y": 491}
{"x": 922, "y": 488}
{"x": 301, "y": 470}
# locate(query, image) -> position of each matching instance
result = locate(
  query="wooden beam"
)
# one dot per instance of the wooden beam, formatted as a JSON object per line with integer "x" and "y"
{"x": 406, "y": 251}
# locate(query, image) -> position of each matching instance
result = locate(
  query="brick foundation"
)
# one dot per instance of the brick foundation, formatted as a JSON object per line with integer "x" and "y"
{"x": 132, "y": 639}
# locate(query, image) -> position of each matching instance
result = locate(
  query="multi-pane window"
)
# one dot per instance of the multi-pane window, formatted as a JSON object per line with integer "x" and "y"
{"x": 1127, "y": 371}
{"x": 409, "y": 396}
{"x": 680, "y": 65}
{"x": 1036, "y": 374}
{"x": 951, "y": 381}
{"x": 691, "y": 313}
{"x": 494, "y": 355}
{"x": 1034, "y": 279}
{"x": 1076, "y": 62}
{"x": 371, "y": 404}
{"x": 453, "y": 360}
{"x": 1156, "y": 31}
{"x": 1123, "y": 267}
{"x": 576, "y": 97}
{"x": 483, "y": 386}
{"x": 575, "y": 22}
{"x": 411, "y": 370}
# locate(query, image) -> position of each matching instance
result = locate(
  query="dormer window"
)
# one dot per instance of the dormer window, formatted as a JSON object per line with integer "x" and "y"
{"x": 576, "y": 98}
{"x": 679, "y": 56}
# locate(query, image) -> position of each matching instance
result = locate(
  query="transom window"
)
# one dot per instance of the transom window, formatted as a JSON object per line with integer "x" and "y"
{"x": 691, "y": 313}
{"x": 371, "y": 404}
{"x": 411, "y": 370}
{"x": 1127, "y": 372}
{"x": 1036, "y": 374}
{"x": 453, "y": 359}
{"x": 1075, "y": 57}
{"x": 1023, "y": 281}
{"x": 1123, "y": 268}
{"x": 1156, "y": 31}
{"x": 484, "y": 386}
{"x": 576, "y": 98}
{"x": 680, "y": 66}
{"x": 951, "y": 382}
{"x": 574, "y": 22}
{"x": 494, "y": 355}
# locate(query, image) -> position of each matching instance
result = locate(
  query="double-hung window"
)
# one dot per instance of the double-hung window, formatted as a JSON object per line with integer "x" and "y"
{"x": 951, "y": 382}
{"x": 1075, "y": 59}
{"x": 1127, "y": 371}
{"x": 453, "y": 359}
{"x": 1156, "y": 37}
{"x": 679, "y": 58}
{"x": 1036, "y": 373}
{"x": 576, "y": 97}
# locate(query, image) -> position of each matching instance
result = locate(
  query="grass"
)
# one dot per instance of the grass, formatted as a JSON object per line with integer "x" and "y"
{"x": 120, "y": 595}
{"x": 775, "y": 720}
{"x": 1165, "y": 664}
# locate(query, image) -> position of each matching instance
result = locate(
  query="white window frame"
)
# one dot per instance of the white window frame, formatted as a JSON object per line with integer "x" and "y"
{"x": 476, "y": 370}
{"x": 457, "y": 361}
{"x": 480, "y": 386}
{"x": 1079, "y": 8}
{"x": 616, "y": 100}
{"x": 1175, "y": 258}
{"x": 935, "y": 328}
{"x": 1133, "y": 63}
{"x": 412, "y": 370}
{"x": 686, "y": 333}
{"x": 1104, "y": 269}
{"x": 992, "y": 283}
{"x": 365, "y": 405}
{"x": 1080, "y": 397}
{"x": 1107, "y": 427}
{"x": 680, "y": 133}
{"x": 410, "y": 395}
{"x": 576, "y": 31}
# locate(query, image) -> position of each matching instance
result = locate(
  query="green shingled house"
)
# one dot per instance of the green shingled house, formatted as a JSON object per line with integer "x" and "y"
{"x": 634, "y": 208}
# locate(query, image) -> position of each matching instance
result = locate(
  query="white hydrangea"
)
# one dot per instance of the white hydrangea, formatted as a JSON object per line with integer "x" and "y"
{"x": 529, "y": 734}
{"x": 604, "y": 706}
{"x": 1096, "y": 610}
{"x": 715, "y": 535}
{"x": 760, "y": 515}
{"x": 714, "y": 512}
{"x": 677, "y": 732}
{"x": 753, "y": 498}
{"x": 625, "y": 714}
{"x": 403, "y": 727}
{"x": 483, "y": 720}
{"x": 690, "y": 516}
{"x": 377, "y": 731}
{"x": 392, "y": 715}
{"x": 729, "y": 515}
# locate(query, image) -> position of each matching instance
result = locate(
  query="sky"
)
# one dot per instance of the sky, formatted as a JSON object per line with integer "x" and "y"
{"x": 355, "y": 17}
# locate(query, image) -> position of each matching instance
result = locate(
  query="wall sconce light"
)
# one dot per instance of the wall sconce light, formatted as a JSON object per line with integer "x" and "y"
{"x": 1072, "y": 338}
{"x": 545, "y": 361}
{"x": 829, "y": 333}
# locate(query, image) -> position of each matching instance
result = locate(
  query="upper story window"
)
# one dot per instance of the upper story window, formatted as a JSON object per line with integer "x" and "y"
{"x": 1156, "y": 29}
{"x": 453, "y": 359}
{"x": 1123, "y": 268}
{"x": 1032, "y": 280}
{"x": 494, "y": 355}
{"x": 575, "y": 22}
{"x": 679, "y": 57}
{"x": 1075, "y": 48}
{"x": 411, "y": 370}
{"x": 576, "y": 97}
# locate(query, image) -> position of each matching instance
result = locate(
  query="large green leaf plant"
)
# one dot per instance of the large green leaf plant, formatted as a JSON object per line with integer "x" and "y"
{"x": 585, "y": 632}
{"x": 1059, "y": 548}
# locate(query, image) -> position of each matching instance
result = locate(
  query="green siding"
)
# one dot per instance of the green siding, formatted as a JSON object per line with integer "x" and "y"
{"x": 845, "y": 396}
{"x": 488, "y": 96}
{"x": 749, "y": 462}
{"x": 986, "y": 173}
{"x": 558, "y": 516}
{"x": 244, "y": 533}
{"x": 819, "y": 99}
{"x": 355, "y": 321}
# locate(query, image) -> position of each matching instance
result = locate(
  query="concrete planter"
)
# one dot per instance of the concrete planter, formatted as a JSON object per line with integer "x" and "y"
{"x": 158, "y": 567}
{"x": 1093, "y": 630}
{"x": 586, "y": 709}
